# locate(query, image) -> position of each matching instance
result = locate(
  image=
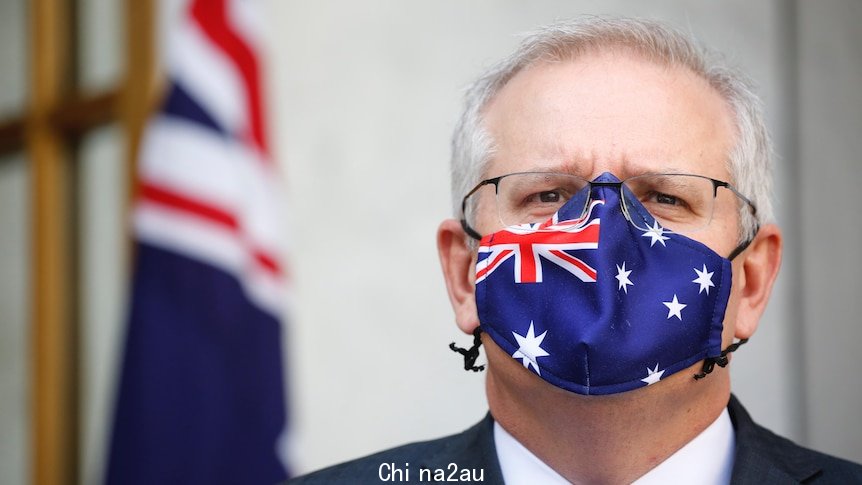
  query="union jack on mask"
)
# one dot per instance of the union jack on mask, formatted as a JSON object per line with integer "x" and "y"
{"x": 594, "y": 305}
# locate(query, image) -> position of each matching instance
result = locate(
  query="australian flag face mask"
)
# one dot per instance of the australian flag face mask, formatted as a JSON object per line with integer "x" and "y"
{"x": 594, "y": 305}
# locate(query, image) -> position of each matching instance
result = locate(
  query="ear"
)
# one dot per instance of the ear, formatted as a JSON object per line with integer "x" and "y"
{"x": 760, "y": 263}
{"x": 457, "y": 261}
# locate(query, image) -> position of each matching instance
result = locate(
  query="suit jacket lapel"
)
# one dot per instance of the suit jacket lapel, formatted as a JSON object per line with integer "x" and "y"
{"x": 763, "y": 457}
{"x": 473, "y": 449}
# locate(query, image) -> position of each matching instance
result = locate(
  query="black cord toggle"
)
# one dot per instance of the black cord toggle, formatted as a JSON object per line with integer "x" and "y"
{"x": 710, "y": 362}
{"x": 471, "y": 354}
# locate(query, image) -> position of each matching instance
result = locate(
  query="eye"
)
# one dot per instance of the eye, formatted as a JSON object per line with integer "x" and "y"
{"x": 549, "y": 197}
{"x": 666, "y": 202}
{"x": 667, "y": 199}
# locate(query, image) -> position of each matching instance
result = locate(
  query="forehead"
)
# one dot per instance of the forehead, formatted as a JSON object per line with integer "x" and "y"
{"x": 609, "y": 111}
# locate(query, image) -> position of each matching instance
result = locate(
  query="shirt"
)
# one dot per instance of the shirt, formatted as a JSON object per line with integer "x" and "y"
{"x": 707, "y": 459}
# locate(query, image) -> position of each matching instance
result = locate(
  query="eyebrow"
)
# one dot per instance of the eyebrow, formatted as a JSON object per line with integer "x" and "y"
{"x": 566, "y": 169}
{"x": 571, "y": 168}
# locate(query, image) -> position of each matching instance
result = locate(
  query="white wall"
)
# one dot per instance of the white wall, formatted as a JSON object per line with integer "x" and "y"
{"x": 15, "y": 251}
{"x": 830, "y": 169}
{"x": 365, "y": 98}
{"x": 14, "y": 315}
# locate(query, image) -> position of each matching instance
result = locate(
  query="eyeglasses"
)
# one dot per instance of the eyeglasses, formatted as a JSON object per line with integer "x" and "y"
{"x": 681, "y": 203}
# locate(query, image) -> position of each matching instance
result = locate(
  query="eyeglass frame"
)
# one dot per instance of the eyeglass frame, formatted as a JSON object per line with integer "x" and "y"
{"x": 496, "y": 182}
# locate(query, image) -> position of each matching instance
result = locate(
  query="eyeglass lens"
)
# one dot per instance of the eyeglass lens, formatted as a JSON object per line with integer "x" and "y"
{"x": 680, "y": 203}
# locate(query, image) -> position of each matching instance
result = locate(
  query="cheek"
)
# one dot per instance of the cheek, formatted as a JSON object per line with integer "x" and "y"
{"x": 484, "y": 216}
{"x": 725, "y": 226}
{"x": 722, "y": 235}
{"x": 488, "y": 222}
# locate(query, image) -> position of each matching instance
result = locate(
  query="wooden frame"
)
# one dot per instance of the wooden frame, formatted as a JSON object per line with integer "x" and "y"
{"x": 54, "y": 326}
{"x": 57, "y": 115}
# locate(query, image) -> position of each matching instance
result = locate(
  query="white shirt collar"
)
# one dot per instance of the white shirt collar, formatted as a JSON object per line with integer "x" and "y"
{"x": 707, "y": 459}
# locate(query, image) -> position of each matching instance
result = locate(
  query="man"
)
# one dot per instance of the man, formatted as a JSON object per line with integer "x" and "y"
{"x": 613, "y": 246}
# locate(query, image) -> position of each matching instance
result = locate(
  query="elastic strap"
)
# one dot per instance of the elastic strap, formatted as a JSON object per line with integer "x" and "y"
{"x": 471, "y": 354}
{"x": 710, "y": 362}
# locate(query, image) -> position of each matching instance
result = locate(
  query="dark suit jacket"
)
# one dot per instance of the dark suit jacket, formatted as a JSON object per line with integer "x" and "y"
{"x": 762, "y": 457}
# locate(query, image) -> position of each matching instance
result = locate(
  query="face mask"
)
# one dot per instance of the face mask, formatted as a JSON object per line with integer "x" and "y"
{"x": 594, "y": 305}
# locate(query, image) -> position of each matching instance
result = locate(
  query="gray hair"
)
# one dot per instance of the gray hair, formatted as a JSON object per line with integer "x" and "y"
{"x": 749, "y": 161}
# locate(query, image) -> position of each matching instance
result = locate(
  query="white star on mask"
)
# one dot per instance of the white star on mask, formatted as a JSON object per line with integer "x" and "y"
{"x": 704, "y": 279}
{"x": 653, "y": 375}
{"x": 656, "y": 234}
{"x": 674, "y": 308}
{"x": 623, "y": 277}
{"x": 529, "y": 348}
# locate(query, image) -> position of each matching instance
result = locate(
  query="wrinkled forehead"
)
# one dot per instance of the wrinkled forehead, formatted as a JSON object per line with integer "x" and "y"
{"x": 609, "y": 110}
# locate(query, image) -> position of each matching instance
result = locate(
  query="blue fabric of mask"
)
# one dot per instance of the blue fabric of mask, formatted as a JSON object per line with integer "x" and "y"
{"x": 595, "y": 305}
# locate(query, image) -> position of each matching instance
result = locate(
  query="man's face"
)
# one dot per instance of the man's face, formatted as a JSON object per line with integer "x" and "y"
{"x": 617, "y": 113}
{"x": 614, "y": 113}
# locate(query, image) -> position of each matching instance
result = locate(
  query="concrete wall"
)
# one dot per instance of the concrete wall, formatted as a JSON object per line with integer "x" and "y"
{"x": 829, "y": 158}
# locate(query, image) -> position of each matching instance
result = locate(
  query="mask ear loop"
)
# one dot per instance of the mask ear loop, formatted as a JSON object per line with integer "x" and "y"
{"x": 471, "y": 354}
{"x": 722, "y": 360}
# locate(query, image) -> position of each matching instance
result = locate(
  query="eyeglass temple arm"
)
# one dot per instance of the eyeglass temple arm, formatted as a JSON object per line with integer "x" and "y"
{"x": 718, "y": 183}
{"x": 744, "y": 245}
{"x": 467, "y": 229}
{"x": 470, "y": 231}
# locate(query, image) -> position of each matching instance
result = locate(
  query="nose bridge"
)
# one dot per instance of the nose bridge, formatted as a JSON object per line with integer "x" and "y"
{"x": 614, "y": 195}
{"x": 595, "y": 184}
{"x": 602, "y": 183}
